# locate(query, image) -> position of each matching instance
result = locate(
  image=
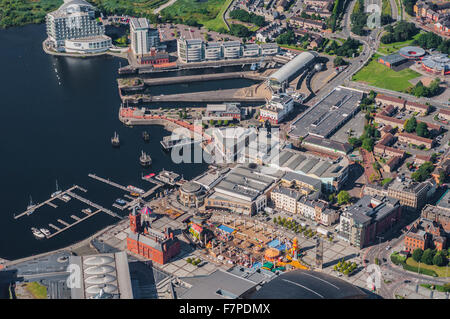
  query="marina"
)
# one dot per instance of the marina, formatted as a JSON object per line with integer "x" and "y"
{"x": 48, "y": 202}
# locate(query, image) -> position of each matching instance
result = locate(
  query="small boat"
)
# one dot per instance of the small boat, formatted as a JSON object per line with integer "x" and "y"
{"x": 58, "y": 191}
{"x": 86, "y": 211}
{"x": 120, "y": 201}
{"x": 115, "y": 141}
{"x": 135, "y": 189}
{"x": 145, "y": 136}
{"x": 30, "y": 207}
{"x": 45, "y": 231}
{"x": 37, "y": 233}
{"x": 135, "y": 194}
{"x": 150, "y": 175}
{"x": 66, "y": 198}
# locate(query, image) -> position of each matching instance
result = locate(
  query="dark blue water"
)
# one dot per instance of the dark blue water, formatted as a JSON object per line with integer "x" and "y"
{"x": 52, "y": 132}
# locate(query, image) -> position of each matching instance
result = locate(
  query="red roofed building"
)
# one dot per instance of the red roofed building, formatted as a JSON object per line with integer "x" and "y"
{"x": 149, "y": 243}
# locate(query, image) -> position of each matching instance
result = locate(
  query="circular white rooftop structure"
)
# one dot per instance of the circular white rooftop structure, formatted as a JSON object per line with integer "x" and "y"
{"x": 100, "y": 279}
{"x": 411, "y": 52}
{"x": 106, "y": 288}
{"x": 99, "y": 270}
{"x": 437, "y": 63}
{"x": 98, "y": 260}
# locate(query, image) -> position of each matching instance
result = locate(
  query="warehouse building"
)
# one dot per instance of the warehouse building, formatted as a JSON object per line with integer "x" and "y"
{"x": 328, "y": 114}
{"x": 281, "y": 78}
{"x": 244, "y": 190}
{"x": 332, "y": 174}
{"x": 392, "y": 60}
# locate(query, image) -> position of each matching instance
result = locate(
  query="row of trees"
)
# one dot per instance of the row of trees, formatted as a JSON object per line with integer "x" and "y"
{"x": 358, "y": 18}
{"x": 401, "y": 32}
{"x": 421, "y": 129}
{"x": 431, "y": 256}
{"x": 348, "y": 49}
{"x": 345, "y": 267}
{"x": 245, "y": 16}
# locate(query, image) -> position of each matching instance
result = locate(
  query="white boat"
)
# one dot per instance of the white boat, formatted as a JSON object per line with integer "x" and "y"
{"x": 45, "y": 231}
{"x": 135, "y": 189}
{"x": 30, "y": 207}
{"x": 87, "y": 211}
{"x": 57, "y": 191}
{"x": 37, "y": 233}
{"x": 66, "y": 198}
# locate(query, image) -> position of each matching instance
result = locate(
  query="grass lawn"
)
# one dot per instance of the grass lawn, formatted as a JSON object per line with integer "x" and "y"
{"x": 440, "y": 271}
{"x": 394, "y": 47}
{"x": 293, "y": 47}
{"x": 379, "y": 75}
{"x": 37, "y": 290}
{"x": 208, "y": 13}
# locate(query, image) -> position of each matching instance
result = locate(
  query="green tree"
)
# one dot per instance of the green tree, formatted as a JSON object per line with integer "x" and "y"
{"x": 410, "y": 125}
{"x": 427, "y": 257}
{"x": 343, "y": 197}
{"x": 422, "y": 129}
{"x": 438, "y": 260}
{"x": 417, "y": 254}
{"x": 367, "y": 144}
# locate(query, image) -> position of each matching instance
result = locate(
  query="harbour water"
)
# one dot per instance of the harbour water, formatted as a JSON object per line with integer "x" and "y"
{"x": 58, "y": 117}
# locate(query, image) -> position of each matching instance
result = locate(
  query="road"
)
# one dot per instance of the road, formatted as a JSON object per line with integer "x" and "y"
{"x": 395, "y": 274}
{"x": 162, "y": 7}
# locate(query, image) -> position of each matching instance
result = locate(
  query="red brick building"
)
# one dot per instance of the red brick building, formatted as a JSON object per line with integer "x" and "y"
{"x": 149, "y": 243}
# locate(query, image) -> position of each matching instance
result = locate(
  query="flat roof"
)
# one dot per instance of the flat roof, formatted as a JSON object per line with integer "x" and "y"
{"x": 218, "y": 285}
{"x": 393, "y": 58}
{"x": 306, "y": 284}
{"x": 330, "y": 112}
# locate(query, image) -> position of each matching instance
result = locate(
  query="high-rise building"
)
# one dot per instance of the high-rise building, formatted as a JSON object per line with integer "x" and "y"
{"x": 74, "y": 28}
{"x": 143, "y": 37}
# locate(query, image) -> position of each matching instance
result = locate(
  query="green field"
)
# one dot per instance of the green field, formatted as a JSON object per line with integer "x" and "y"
{"x": 379, "y": 75}
{"x": 128, "y": 7}
{"x": 37, "y": 290}
{"x": 387, "y": 9}
{"x": 390, "y": 48}
{"x": 440, "y": 271}
{"x": 206, "y": 12}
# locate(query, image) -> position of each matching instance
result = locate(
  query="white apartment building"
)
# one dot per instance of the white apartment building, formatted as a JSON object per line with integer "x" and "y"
{"x": 231, "y": 49}
{"x": 73, "y": 27}
{"x": 197, "y": 50}
{"x": 190, "y": 50}
{"x": 213, "y": 51}
{"x": 143, "y": 37}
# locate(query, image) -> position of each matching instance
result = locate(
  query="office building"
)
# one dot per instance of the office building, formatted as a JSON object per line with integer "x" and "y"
{"x": 276, "y": 110}
{"x": 411, "y": 194}
{"x": 362, "y": 223}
